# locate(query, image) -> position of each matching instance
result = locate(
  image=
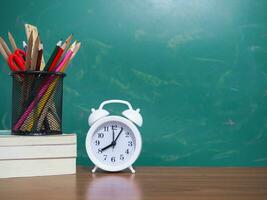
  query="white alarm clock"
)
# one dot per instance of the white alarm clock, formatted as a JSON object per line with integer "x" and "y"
{"x": 113, "y": 143}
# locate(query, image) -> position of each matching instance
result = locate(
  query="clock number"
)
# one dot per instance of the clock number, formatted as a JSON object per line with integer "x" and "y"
{"x": 113, "y": 159}
{"x": 105, "y": 157}
{"x": 127, "y": 151}
{"x": 97, "y": 142}
{"x": 130, "y": 143}
{"x": 121, "y": 157}
{"x": 99, "y": 150}
{"x": 127, "y": 134}
{"x": 105, "y": 128}
{"x": 100, "y": 135}
{"x": 114, "y": 127}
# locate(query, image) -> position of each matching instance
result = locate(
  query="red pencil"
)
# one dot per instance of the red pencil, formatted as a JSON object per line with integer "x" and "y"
{"x": 52, "y": 57}
{"x": 60, "y": 51}
{"x": 56, "y": 59}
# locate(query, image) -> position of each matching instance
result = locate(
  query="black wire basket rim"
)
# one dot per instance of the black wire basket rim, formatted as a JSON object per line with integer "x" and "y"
{"x": 37, "y": 73}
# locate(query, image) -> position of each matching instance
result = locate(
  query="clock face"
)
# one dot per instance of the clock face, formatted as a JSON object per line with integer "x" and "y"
{"x": 113, "y": 143}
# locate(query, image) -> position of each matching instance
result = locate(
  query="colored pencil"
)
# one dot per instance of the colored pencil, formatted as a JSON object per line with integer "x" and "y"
{"x": 66, "y": 58}
{"x": 56, "y": 59}
{"x": 29, "y": 53}
{"x": 39, "y": 57}
{"x": 67, "y": 42}
{"x": 26, "y": 122}
{"x": 60, "y": 53}
{"x": 76, "y": 49}
{"x": 37, "y": 98}
{"x": 5, "y": 47}
{"x": 40, "y": 106}
{"x": 52, "y": 57}
{"x": 12, "y": 41}
{"x": 44, "y": 112}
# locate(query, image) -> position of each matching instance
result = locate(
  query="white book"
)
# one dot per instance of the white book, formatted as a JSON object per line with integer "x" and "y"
{"x": 37, "y": 151}
{"x": 16, "y": 140}
{"x": 37, "y": 167}
{"x": 24, "y": 156}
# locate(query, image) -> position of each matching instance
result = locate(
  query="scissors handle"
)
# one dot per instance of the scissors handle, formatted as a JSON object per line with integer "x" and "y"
{"x": 16, "y": 60}
{"x": 20, "y": 53}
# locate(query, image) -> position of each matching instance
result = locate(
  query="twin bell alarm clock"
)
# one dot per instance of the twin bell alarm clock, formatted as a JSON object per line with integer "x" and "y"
{"x": 113, "y": 143}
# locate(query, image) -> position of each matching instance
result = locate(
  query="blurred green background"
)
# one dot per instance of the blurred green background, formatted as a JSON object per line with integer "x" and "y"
{"x": 197, "y": 69}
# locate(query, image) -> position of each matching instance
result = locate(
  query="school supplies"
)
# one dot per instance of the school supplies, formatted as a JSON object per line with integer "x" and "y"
{"x": 60, "y": 67}
{"x": 16, "y": 60}
{"x": 60, "y": 51}
{"x": 37, "y": 84}
{"x": 53, "y": 56}
{"x": 76, "y": 49}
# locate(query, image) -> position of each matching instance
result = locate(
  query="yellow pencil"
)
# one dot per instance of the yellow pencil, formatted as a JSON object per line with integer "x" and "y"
{"x": 29, "y": 122}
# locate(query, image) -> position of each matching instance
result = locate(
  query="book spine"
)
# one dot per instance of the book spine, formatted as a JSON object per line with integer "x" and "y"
{"x": 40, "y": 151}
{"x": 13, "y": 140}
{"x": 37, "y": 167}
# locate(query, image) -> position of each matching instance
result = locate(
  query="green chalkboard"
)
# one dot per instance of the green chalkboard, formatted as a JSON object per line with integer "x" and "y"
{"x": 196, "y": 69}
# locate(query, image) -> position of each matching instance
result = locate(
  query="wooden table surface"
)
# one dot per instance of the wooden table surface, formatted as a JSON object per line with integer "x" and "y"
{"x": 148, "y": 183}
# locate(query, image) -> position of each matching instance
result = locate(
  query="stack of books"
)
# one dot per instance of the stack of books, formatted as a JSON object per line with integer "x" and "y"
{"x": 24, "y": 156}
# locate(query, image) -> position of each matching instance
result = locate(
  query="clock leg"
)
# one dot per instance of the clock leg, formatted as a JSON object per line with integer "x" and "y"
{"x": 132, "y": 169}
{"x": 95, "y": 168}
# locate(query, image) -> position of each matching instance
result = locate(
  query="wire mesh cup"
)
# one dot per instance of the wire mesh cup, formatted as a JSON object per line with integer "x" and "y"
{"x": 37, "y": 103}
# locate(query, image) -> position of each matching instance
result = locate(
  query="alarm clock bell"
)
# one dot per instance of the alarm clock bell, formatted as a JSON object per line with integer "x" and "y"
{"x": 130, "y": 113}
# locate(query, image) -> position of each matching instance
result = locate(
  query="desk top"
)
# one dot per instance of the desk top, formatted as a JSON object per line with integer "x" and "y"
{"x": 148, "y": 183}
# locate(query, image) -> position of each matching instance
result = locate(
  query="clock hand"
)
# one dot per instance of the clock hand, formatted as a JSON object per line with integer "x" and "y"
{"x": 118, "y": 135}
{"x": 113, "y": 136}
{"x": 110, "y": 145}
{"x": 113, "y": 143}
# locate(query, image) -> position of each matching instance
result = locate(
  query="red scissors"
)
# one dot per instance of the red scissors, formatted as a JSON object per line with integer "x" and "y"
{"x": 16, "y": 60}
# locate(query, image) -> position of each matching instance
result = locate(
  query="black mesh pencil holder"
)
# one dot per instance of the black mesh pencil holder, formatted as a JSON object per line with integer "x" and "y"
{"x": 37, "y": 103}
